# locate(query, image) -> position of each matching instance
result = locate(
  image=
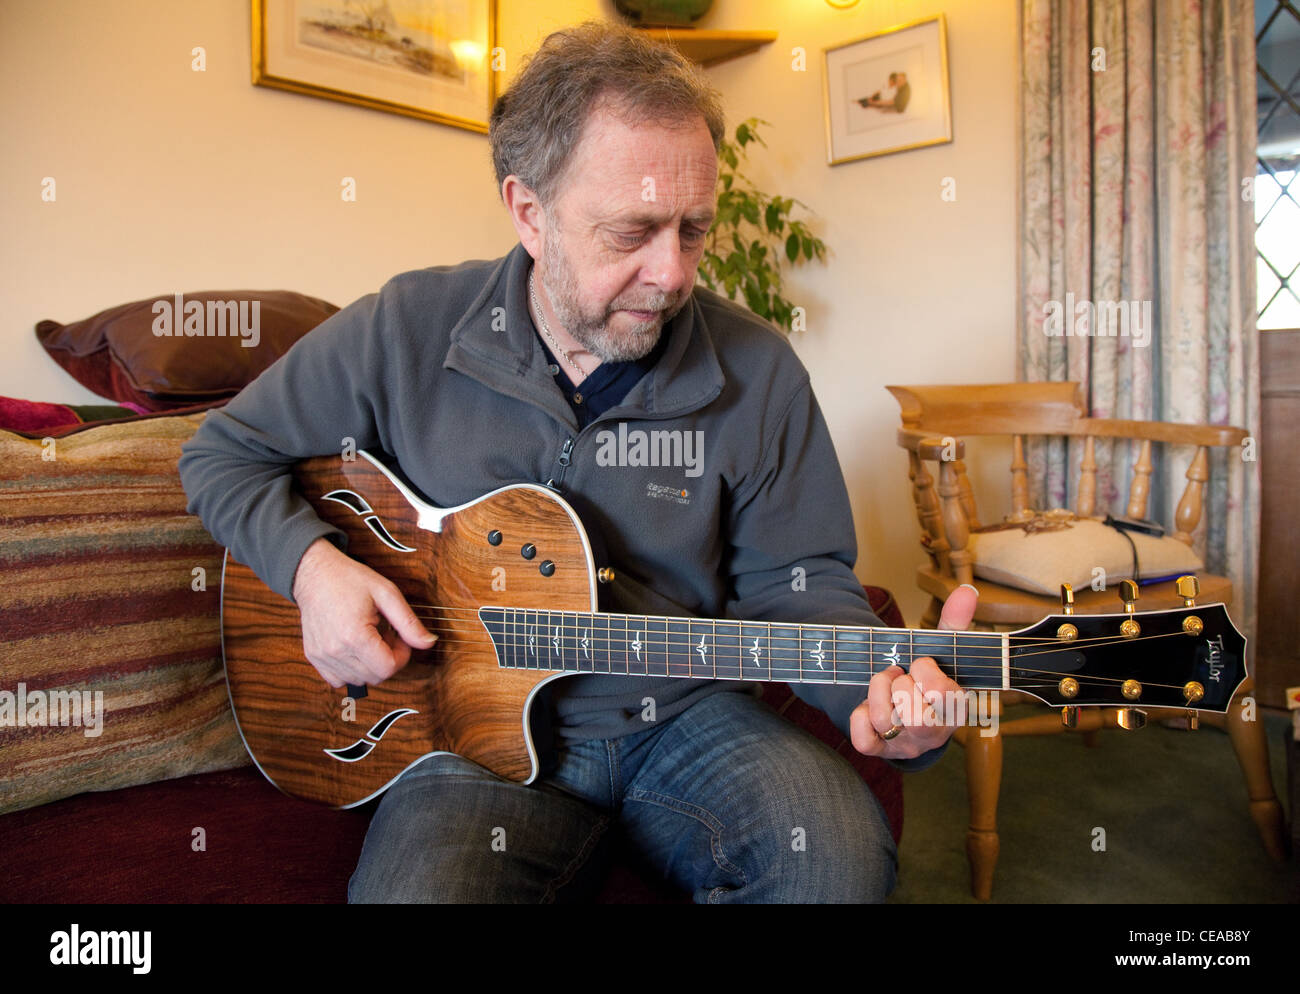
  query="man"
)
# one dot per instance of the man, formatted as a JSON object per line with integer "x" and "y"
{"x": 496, "y": 372}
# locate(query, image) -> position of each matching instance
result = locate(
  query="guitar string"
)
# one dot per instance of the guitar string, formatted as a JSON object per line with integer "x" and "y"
{"x": 1048, "y": 645}
{"x": 1026, "y": 679}
{"x": 471, "y": 614}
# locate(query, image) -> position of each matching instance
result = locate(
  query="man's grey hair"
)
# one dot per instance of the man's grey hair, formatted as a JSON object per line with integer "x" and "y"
{"x": 537, "y": 123}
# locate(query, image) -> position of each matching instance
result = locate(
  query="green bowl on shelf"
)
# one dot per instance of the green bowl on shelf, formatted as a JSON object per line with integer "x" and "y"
{"x": 663, "y": 13}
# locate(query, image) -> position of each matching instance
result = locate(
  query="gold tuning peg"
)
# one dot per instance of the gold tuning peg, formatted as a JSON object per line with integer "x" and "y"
{"x": 1069, "y": 717}
{"x": 1193, "y": 721}
{"x": 1188, "y": 587}
{"x": 1067, "y": 599}
{"x": 1128, "y": 593}
{"x": 1131, "y": 719}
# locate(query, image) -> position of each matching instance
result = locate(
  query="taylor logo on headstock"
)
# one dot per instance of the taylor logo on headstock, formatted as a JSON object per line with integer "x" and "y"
{"x": 1215, "y": 646}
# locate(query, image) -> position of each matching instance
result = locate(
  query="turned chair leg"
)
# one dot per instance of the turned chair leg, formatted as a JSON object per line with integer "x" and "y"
{"x": 1250, "y": 744}
{"x": 983, "y": 780}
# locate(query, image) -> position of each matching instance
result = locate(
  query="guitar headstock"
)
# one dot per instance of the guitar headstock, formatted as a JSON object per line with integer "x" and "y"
{"x": 1190, "y": 657}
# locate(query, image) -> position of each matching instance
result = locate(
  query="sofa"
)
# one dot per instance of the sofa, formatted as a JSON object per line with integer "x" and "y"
{"x": 110, "y": 612}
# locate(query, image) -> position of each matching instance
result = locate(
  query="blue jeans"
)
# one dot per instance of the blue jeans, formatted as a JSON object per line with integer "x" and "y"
{"x": 729, "y": 801}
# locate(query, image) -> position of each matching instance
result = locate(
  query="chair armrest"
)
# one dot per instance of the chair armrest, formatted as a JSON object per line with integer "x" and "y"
{"x": 927, "y": 445}
{"x": 1160, "y": 431}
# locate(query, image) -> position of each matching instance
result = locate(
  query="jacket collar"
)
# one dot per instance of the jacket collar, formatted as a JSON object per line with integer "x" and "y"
{"x": 495, "y": 343}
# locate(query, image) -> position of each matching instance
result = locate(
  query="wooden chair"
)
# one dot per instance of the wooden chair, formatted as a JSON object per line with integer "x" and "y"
{"x": 934, "y": 419}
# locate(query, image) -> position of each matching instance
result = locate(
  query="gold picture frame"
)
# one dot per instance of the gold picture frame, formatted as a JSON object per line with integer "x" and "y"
{"x": 887, "y": 92}
{"x": 427, "y": 59}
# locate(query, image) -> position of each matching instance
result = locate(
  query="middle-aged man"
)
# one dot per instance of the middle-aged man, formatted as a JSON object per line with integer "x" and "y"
{"x": 487, "y": 373}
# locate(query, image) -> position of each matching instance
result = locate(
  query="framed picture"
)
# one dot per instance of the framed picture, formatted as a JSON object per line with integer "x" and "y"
{"x": 429, "y": 59}
{"x": 888, "y": 92}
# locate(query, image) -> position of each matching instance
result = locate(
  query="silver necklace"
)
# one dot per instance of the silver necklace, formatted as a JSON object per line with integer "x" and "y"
{"x": 537, "y": 305}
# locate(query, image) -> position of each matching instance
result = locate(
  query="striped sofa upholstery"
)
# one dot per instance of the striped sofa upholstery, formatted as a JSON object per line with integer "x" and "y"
{"x": 109, "y": 592}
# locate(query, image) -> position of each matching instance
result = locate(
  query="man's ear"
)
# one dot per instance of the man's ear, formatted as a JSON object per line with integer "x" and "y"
{"x": 525, "y": 214}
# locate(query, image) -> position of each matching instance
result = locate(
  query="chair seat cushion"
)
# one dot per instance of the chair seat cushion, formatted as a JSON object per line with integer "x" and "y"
{"x": 1040, "y": 561}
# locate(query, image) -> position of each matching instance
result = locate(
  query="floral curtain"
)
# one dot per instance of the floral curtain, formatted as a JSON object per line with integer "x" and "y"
{"x": 1137, "y": 247}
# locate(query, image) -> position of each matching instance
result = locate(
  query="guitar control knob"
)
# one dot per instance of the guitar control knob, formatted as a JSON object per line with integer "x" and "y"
{"x": 1131, "y": 719}
{"x": 494, "y": 537}
{"x": 547, "y": 568}
{"x": 528, "y": 551}
{"x": 1070, "y": 717}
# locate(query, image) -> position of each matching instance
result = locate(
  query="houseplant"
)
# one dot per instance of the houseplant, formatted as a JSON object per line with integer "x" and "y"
{"x": 752, "y": 231}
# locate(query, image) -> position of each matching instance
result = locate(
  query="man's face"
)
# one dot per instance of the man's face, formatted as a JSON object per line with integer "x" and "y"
{"x": 624, "y": 237}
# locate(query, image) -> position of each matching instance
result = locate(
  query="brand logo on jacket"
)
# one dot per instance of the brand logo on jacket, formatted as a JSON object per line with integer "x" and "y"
{"x": 659, "y": 491}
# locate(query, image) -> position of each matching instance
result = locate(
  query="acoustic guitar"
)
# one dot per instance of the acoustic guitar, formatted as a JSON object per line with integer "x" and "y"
{"x": 509, "y": 585}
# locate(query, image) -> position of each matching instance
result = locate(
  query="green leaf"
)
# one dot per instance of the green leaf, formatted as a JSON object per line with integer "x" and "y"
{"x": 750, "y": 210}
{"x": 742, "y": 135}
{"x": 773, "y": 218}
{"x": 792, "y": 247}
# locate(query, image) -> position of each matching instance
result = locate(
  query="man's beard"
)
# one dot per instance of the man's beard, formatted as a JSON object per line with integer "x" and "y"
{"x": 592, "y": 330}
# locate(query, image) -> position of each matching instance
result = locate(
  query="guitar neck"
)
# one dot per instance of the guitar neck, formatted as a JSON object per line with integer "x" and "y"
{"x": 707, "y": 649}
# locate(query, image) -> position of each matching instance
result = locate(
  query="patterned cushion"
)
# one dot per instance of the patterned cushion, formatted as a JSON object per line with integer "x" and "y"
{"x": 98, "y": 598}
{"x": 1042, "y": 561}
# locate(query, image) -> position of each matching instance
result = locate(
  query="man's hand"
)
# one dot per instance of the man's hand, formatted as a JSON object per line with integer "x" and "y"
{"x": 347, "y": 609}
{"x": 915, "y": 691}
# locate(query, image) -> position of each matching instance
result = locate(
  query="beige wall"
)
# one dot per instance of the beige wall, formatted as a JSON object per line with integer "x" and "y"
{"x": 169, "y": 179}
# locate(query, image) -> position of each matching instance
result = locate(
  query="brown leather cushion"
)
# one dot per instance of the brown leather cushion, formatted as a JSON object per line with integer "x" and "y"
{"x": 119, "y": 352}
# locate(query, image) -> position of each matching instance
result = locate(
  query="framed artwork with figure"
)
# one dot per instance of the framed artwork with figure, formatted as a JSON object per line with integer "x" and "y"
{"x": 888, "y": 92}
{"x": 430, "y": 59}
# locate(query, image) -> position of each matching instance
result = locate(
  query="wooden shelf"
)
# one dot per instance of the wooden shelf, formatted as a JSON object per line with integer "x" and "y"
{"x": 711, "y": 47}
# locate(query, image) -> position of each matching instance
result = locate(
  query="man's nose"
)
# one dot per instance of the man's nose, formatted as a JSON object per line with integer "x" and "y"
{"x": 667, "y": 265}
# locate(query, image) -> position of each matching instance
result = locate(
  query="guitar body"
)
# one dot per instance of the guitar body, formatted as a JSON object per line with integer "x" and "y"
{"x": 453, "y": 698}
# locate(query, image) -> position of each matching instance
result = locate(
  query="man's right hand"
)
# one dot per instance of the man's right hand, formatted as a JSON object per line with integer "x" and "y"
{"x": 344, "y": 606}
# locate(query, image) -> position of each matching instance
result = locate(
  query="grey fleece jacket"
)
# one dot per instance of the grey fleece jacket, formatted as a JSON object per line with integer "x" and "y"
{"x": 443, "y": 370}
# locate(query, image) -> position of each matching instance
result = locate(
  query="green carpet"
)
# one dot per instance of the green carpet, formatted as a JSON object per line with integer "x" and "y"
{"x": 1172, "y": 805}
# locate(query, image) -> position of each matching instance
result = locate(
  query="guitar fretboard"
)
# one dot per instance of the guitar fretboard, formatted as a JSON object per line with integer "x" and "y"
{"x": 707, "y": 649}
